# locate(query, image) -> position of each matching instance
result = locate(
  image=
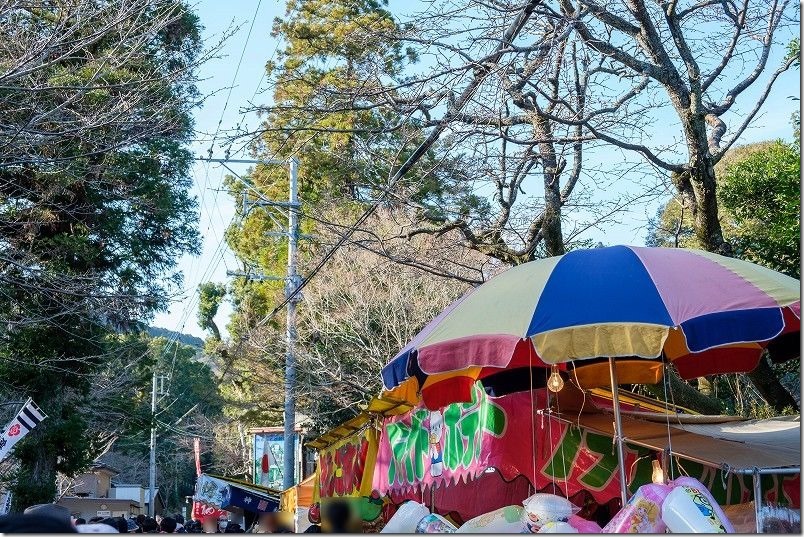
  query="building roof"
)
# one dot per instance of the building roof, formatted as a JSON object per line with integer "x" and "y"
{"x": 97, "y": 465}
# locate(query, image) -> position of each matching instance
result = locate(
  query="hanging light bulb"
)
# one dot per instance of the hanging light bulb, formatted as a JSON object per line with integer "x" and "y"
{"x": 555, "y": 382}
{"x": 658, "y": 474}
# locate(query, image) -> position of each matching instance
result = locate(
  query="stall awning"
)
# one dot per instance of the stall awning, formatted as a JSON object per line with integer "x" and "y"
{"x": 299, "y": 496}
{"x": 379, "y": 406}
{"x": 226, "y": 493}
{"x": 742, "y": 445}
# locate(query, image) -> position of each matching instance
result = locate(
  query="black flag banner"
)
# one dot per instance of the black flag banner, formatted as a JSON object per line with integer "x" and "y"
{"x": 26, "y": 419}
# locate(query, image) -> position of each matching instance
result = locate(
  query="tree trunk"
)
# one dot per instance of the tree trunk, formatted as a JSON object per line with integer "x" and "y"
{"x": 769, "y": 387}
{"x": 36, "y": 481}
{"x": 698, "y": 184}
{"x": 685, "y": 395}
{"x": 705, "y": 215}
{"x": 551, "y": 224}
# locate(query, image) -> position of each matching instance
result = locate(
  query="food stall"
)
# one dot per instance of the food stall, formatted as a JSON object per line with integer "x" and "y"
{"x": 518, "y": 444}
{"x": 442, "y": 458}
{"x": 242, "y": 499}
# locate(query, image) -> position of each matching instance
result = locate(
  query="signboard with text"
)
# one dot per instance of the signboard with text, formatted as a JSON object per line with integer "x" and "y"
{"x": 269, "y": 458}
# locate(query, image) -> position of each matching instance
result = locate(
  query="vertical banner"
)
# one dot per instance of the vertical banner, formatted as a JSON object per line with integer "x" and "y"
{"x": 268, "y": 449}
{"x": 200, "y": 511}
{"x": 5, "y": 503}
{"x": 197, "y": 452}
{"x": 26, "y": 419}
{"x": 265, "y": 462}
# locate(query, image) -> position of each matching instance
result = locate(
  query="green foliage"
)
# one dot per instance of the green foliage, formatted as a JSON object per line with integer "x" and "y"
{"x": 346, "y": 148}
{"x": 92, "y": 225}
{"x": 762, "y": 194}
{"x": 192, "y": 401}
{"x": 794, "y": 51}
{"x": 759, "y": 200}
{"x": 210, "y": 297}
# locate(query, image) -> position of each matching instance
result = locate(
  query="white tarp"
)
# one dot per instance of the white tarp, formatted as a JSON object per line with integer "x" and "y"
{"x": 773, "y": 443}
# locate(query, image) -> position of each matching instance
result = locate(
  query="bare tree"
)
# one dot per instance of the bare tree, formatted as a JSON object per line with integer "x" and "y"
{"x": 586, "y": 97}
{"x": 702, "y": 57}
{"x": 358, "y": 317}
{"x": 510, "y": 167}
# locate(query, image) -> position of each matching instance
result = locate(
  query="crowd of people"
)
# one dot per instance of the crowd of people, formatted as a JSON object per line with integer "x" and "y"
{"x": 53, "y": 518}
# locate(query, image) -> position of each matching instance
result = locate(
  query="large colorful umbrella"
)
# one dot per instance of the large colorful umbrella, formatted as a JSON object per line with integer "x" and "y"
{"x": 706, "y": 313}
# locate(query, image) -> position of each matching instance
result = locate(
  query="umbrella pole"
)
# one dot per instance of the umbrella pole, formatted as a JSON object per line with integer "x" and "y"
{"x": 618, "y": 430}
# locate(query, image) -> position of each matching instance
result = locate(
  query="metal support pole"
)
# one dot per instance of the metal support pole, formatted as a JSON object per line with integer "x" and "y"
{"x": 758, "y": 499}
{"x": 618, "y": 430}
{"x": 152, "y": 462}
{"x": 289, "y": 451}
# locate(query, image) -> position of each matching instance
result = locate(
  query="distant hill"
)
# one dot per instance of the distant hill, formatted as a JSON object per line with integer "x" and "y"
{"x": 186, "y": 339}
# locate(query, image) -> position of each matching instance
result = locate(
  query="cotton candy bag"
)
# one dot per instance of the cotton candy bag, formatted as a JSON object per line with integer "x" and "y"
{"x": 503, "y": 520}
{"x": 691, "y": 508}
{"x": 434, "y": 523}
{"x": 584, "y": 526}
{"x": 406, "y": 518}
{"x": 542, "y": 508}
{"x": 557, "y": 527}
{"x": 642, "y": 513}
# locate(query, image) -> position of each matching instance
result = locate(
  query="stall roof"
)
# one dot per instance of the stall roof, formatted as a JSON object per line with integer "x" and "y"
{"x": 227, "y": 493}
{"x": 763, "y": 444}
{"x": 246, "y": 485}
{"x": 379, "y": 406}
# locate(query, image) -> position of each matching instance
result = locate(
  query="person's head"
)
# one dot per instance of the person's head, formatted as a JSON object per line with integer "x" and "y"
{"x": 35, "y": 523}
{"x": 209, "y": 524}
{"x": 179, "y": 519}
{"x": 122, "y": 524}
{"x": 52, "y": 510}
{"x": 79, "y": 521}
{"x": 268, "y": 522}
{"x": 336, "y": 517}
{"x": 149, "y": 525}
{"x": 233, "y": 527}
{"x": 96, "y": 527}
{"x": 314, "y": 528}
{"x": 117, "y": 523}
{"x": 167, "y": 525}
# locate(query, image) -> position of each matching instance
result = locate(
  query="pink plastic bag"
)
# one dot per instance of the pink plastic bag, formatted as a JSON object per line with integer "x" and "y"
{"x": 583, "y": 525}
{"x": 642, "y": 513}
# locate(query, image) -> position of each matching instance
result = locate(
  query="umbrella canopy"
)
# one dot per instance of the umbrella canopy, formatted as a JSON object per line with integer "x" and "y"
{"x": 707, "y": 313}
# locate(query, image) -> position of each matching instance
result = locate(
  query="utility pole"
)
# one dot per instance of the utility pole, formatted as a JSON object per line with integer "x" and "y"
{"x": 292, "y": 282}
{"x": 152, "y": 459}
{"x": 152, "y": 462}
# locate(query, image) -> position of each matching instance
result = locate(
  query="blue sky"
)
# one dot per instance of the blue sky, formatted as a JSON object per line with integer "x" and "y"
{"x": 217, "y": 208}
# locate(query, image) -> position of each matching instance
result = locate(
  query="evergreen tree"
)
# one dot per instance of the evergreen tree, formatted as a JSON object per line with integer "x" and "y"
{"x": 94, "y": 204}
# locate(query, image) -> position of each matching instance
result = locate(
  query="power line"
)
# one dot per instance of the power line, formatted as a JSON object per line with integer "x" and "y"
{"x": 479, "y": 76}
{"x": 225, "y": 106}
{"x": 234, "y": 78}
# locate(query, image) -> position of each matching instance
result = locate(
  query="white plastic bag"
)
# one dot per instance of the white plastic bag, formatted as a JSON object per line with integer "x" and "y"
{"x": 434, "y": 523}
{"x": 543, "y": 508}
{"x": 406, "y": 518}
{"x": 557, "y": 527}
{"x": 503, "y": 520}
{"x": 688, "y": 510}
